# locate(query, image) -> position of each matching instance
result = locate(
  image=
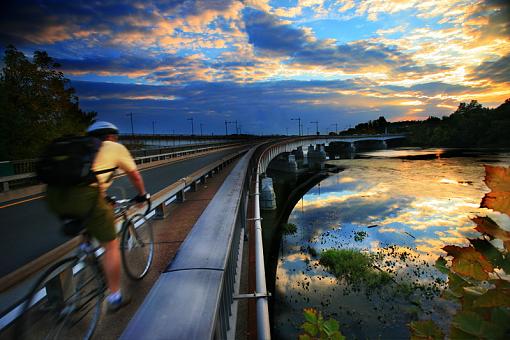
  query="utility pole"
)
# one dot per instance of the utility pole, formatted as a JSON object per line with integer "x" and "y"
{"x": 153, "y": 130}
{"x": 226, "y": 127}
{"x": 132, "y": 129}
{"x": 237, "y": 132}
{"x": 201, "y": 129}
{"x": 299, "y": 124}
{"x": 192, "y": 128}
{"x": 336, "y": 127}
{"x": 316, "y": 127}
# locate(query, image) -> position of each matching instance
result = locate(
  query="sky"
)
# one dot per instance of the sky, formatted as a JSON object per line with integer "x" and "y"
{"x": 263, "y": 62}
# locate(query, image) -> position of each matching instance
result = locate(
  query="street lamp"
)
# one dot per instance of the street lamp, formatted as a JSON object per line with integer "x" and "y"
{"x": 192, "y": 128}
{"x": 299, "y": 124}
{"x": 316, "y": 126}
{"x": 132, "y": 129}
{"x": 336, "y": 127}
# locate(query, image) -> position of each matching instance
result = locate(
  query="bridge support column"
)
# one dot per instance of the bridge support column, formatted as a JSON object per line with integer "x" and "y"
{"x": 267, "y": 195}
{"x": 193, "y": 186}
{"x": 316, "y": 156}
{"x": 353, "y": 147}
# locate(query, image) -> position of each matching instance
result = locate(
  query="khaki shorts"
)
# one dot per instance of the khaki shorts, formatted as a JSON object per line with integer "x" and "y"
{"x": 79, "y": 202}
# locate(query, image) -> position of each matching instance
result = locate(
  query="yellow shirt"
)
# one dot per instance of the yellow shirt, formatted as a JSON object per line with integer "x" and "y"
{"x": 111, "y": 155}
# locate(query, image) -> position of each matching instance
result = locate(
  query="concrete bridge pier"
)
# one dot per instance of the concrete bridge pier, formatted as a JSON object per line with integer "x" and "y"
{"x": 298, "y": 153}
{"x": 352, "y": 147}
{"x": 285, "y": 162}
{"x": 316, "y": 156}
{"x": 267, "y": 195}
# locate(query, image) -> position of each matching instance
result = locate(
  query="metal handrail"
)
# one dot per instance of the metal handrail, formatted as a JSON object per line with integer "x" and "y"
{"x": 4, "y": 180}
{"x": 195, "y": 293}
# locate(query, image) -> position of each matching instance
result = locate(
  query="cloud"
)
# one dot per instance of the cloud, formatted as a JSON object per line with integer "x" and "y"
{"x": 270, "y": 35}
{"x": 497, "y": 71}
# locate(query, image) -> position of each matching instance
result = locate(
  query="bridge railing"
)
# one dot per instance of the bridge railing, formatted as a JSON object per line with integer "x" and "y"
{"x": 24, "y": 169}
{"x": 193, "y": 297}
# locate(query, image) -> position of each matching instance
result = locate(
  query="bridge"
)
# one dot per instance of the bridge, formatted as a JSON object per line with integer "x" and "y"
{"x": 198, "y": 293}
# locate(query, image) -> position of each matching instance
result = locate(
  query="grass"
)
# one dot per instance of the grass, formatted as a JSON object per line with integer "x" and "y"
{"x": 353, "y": 266}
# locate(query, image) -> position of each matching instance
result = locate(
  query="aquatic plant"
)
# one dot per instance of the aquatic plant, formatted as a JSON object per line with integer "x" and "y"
{"x": 478, "y": 274}
{"x": 360, "y": 236}
{"x": 315, "y": 327}
{"x": 354, "y": 267}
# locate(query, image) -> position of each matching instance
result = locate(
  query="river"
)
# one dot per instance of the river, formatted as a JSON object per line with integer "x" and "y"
{"x": 401, "y": 206}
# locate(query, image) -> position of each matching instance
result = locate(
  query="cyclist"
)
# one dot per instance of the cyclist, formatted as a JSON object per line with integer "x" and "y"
{"x": 89, "y": 202}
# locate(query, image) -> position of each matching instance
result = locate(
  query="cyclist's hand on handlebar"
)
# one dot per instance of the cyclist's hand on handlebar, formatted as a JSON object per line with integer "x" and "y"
{"x": 110, "y": 199}
{"x": 142, "y": 198}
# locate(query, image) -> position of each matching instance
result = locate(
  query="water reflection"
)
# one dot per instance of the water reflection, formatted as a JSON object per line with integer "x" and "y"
{"x": 410, "y": 204}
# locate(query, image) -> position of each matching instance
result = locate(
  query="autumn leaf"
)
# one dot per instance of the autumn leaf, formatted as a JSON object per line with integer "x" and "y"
{"x": 467, "y": 261}
{"x": 493, "y": 298}
{"x": 492, "y": 254}
{"x": 421, "y": 330}
{"x": 487, "y": 226}
{"x": 497, "y": 178}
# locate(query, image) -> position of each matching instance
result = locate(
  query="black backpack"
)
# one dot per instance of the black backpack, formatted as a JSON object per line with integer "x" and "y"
{"x": 68, "y": 160}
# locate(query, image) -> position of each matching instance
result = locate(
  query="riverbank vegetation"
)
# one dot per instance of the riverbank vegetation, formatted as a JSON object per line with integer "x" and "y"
{"x": 471, "y": 125}
{"x": 37, "y": 104}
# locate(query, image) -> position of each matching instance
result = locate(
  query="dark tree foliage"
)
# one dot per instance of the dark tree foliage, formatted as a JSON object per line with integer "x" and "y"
{"x": 37, "y": 104}
{"x": 471, "y": 125}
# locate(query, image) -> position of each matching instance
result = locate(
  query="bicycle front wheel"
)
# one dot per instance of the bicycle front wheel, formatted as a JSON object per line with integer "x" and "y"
{"x": 65, "y": 303}
{"x": 137, "y": 246}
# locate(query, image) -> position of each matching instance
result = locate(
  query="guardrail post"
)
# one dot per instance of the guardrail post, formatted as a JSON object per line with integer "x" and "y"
{"x": 181, "y": 197}
{"x": 61, "y": 287}
{"x": 161, "y": 211}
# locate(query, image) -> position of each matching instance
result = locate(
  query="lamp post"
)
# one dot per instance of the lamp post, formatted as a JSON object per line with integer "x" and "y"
{"x": 192, "y": 128}
{"x": 316, "y": 127}
{"x": 132, "y": 129}
{"x": 299, "y": 124}
{"x": 336, "y": 127}
{"x": 226, "y": 126}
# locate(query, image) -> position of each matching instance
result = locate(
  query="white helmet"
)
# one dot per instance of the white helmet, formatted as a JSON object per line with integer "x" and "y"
{"x": 101, "y": 128}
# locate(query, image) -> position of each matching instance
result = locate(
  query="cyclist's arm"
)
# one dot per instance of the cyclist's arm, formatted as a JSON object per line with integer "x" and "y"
{"x": 137, "y": 180}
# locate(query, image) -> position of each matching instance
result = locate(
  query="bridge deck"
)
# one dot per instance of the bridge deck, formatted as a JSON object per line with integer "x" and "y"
{"x": 169, "y": 234}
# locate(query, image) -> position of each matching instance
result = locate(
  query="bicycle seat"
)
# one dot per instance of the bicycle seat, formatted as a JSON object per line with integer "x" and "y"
{"x": 72, "y": 226}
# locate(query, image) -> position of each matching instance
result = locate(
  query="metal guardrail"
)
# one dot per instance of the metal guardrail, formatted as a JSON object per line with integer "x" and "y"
{"x": 160, "y": 201}
{"x": 194, "y": 294}
{"x": 147, "y": 157}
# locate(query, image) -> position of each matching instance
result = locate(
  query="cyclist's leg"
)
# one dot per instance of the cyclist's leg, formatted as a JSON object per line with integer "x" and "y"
{"x": 102, "y": 226}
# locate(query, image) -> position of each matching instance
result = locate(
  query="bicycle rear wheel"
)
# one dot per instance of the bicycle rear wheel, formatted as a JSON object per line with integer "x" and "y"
{"x": 65, "y": 303}
{"x": 137, "y": 246}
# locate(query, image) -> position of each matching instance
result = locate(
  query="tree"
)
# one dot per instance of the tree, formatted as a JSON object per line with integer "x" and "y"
{"x": 37, "y": 104}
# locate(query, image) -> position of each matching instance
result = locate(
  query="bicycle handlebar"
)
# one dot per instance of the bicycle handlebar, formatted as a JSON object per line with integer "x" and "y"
{"x": 130, "y": 202}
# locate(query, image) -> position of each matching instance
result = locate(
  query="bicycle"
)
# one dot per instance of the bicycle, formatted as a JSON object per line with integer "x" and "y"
{"x": 66, "y": 300}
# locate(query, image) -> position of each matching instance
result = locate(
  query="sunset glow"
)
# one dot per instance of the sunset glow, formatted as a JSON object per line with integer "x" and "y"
{"x": 335, "y": 61}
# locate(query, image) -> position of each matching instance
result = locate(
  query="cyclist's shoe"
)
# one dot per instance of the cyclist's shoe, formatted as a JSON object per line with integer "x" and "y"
{"x": 112, "y": 307}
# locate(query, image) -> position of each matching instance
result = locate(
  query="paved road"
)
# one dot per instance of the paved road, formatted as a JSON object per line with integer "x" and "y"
{"x": 28, "y": 230}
